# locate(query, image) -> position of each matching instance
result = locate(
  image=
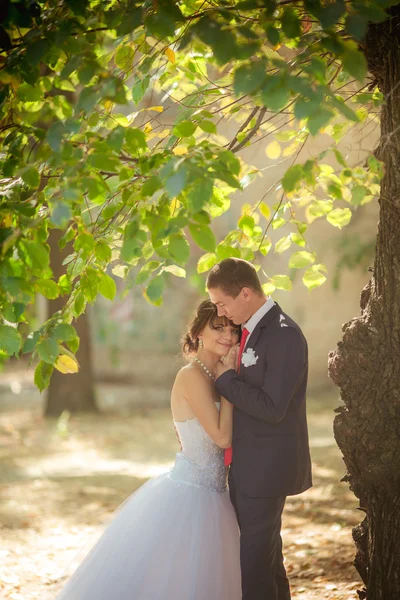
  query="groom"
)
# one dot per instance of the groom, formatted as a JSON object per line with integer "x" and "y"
{"x": 270, "y": 454}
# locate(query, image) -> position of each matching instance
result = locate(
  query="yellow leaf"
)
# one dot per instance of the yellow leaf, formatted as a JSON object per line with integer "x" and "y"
{"x": 156, "y": 108}
{"x": 180, "y": 150}
{"x": 273, "y": 150}
{"x": 108, "y": 104}
{"x": 7, "y": 221}
{"x": 265, "y": 210}
{"x": 147, "y": 128}
{"x": 66, "y": 364}
{"x": 291, "y": 148}
{"x": 170, "y": 54}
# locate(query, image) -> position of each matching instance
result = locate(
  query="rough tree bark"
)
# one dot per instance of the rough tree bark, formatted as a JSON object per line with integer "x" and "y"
{"x": 366, "y": 364}
{"x": 74, "y": 393}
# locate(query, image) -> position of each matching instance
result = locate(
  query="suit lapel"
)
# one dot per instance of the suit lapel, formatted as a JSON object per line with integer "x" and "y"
{"x": 267, "y": 318}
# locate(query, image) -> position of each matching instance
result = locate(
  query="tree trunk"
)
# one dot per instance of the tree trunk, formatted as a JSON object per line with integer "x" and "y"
{"x": 74, "y": 393}
{"x": 366, "y": 364}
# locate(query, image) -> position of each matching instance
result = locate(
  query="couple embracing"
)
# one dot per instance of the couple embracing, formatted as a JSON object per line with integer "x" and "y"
{"x": 210, "y": 528}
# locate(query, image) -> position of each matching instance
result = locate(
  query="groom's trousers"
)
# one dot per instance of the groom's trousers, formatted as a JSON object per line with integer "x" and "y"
{"x": 261, "y": 560}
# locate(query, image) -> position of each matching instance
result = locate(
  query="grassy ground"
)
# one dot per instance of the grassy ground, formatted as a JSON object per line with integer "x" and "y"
{"x": 59, "y": 481}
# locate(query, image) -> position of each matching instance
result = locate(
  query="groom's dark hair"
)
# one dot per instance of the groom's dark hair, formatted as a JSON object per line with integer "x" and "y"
{"x": 232, "y": 275}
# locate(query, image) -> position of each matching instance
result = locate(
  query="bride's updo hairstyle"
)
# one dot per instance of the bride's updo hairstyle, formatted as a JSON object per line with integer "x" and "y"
{"x": 206, "y": 313}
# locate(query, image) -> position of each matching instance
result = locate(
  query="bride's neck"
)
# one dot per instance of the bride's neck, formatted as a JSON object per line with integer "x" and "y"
{"x": 209, "y": 359}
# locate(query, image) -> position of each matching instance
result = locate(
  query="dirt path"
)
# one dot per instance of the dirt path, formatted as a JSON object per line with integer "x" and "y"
{"x": 60, "y": 480}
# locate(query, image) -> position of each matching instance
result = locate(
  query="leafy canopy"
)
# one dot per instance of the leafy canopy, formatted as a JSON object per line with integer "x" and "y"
{"x": 116, "y": 123}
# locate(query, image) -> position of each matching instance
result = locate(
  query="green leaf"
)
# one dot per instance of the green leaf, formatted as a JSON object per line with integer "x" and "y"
{"x": 36, "y": 255}
{"x": 268, "y": 288}
{"x": 103, "y": 252}
{"x": 292, "y": 177}
{"x": 199, "y": 195}
{"x": 107, "y": 286}
{"x": 208, "y": 126}
{"x": 151, "y": 186}
{"x": 203, "y": 236}
{"x": 30, "y": 342}
{"x": 246, "y": 223}
{"x": 146, "y": 270}
{"x": 290, "y": 23}
{"x": 301, "y": 259}
{"x": 278, "y": 222}
{"x": 313, "y": 277}
{"x": 318, "y": 119}
{"x": 320, "y": 208}
{"x": 84, "y": 242}
{"x": 248, "y": 78}
{"x": 184, "y": 129}
{"x": 124, "y": 57}
{"x": 155, "y": 289}
{"x": 61, "y": 214}
{"x": 298, "y": 239}
{"x": 206, "y": 262}
{"x": 48, "y": 350}
{"x": 14, "y": 312}
{"x": 265, "y": 246}
{"x": 226, "y": 251}
{"x": 135, "y": 139}
{"x": 354, "y": 62}
{"x": 339, "y": 217}
{"x": 275, "y": 93}
{"x": 47, "y": 287}
{"x": 281, "y": 282}
{"x": 357, "y": 194}
{"x": 273, "y": 34}
{"x": 64, "y": 332}
{"x": 176, "y": 182}
{"x": 30, "y": 176}
{"x": 42, "y": 375}
{"x": 10, "y": 340}
{"x": 79, "y": 304}
{"x": 283, "y": 244}
{"x": 175, "y": 270}
{"x": 64, "y": 284}
{"x": 139, "y": 89}
{"x": 179, "y": 248}
{"x": 54, "y": 135}
{"x": 90, "y": 284}
{"x": 331, "y": 13}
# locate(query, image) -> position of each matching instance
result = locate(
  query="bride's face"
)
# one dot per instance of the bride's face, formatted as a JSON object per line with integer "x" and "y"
{"x": 219, "y": 337}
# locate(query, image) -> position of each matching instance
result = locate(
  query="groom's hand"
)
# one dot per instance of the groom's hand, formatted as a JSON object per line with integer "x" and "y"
{"x": 229, "y": 361}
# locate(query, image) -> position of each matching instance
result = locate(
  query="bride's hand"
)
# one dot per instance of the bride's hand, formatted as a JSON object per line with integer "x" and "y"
{"x": 229, "y": 361}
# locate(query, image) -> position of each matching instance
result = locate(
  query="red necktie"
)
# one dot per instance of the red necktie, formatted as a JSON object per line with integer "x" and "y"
{"x": 245, "y": 334}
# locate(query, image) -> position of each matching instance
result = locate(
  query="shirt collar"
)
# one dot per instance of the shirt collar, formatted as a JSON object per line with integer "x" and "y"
{"x": 256, "y": 318}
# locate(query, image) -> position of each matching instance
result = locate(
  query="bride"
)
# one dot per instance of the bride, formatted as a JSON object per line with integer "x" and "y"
{"x": 177, "y": 537}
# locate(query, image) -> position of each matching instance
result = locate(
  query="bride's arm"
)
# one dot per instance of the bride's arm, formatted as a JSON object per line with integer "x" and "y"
{"x": 197, "y": 392}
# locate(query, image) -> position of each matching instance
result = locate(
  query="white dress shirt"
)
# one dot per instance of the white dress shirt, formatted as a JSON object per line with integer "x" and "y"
{"x": 256, "y": 318}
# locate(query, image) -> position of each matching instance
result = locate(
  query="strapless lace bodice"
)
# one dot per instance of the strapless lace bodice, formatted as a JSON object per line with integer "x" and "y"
{"x": 201, "y": 461}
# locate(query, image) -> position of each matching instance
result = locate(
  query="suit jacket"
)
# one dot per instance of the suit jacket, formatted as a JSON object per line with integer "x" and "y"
{"x": 270, "y": 448}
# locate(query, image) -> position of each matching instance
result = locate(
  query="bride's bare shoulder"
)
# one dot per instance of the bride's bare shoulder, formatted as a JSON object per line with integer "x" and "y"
{"x": 188, "y": 373}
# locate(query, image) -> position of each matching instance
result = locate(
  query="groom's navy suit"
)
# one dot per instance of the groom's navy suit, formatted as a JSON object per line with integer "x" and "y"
{"x": 271, "y": 458}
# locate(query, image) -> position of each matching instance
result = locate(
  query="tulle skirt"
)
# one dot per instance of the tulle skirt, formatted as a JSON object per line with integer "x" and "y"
{"x": 170, "y": 540}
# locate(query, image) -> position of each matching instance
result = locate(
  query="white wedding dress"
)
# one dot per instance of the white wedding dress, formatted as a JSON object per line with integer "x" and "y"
{"x": 176, "y": 538}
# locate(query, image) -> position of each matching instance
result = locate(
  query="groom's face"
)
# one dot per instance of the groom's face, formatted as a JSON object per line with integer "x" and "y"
{"x": 236, "y": 309}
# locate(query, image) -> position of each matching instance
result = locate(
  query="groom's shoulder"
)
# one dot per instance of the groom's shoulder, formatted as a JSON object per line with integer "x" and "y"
{"x": 282, "y": 323}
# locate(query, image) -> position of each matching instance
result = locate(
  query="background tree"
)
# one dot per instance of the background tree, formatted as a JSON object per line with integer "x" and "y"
{"x": 73, "y": 392}
{"x": 127, "y": 183}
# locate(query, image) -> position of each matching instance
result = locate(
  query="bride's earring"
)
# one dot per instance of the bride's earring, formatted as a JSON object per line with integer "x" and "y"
{"x": 200, "y": 343}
